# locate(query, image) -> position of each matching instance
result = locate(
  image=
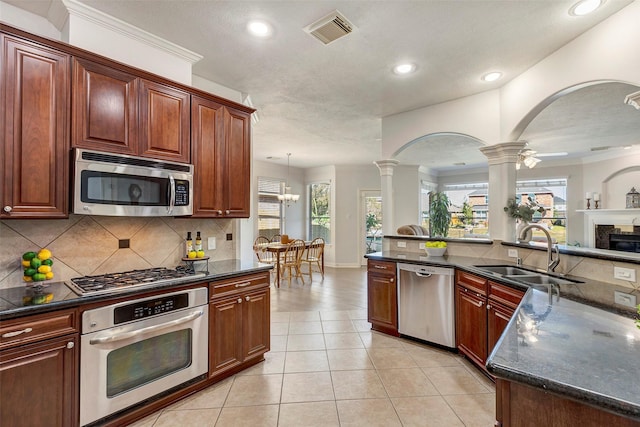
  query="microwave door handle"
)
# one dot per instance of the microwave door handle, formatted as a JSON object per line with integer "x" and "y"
{"x": 172, "y": 194}
{"x": 147, "y": 330}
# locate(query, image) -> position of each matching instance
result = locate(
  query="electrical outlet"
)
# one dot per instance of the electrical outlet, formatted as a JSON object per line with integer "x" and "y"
{"x": 211, "y": 243}
{"x": 402, "y": 244}
{"x": 512, "y": 253}
{"x": 627, "y": 300}
{"x": 628, "y": 274}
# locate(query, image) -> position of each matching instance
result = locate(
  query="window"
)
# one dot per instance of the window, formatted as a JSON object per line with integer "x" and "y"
{"x": 469, "y": 209}
{"x": 270, "y": 211}
{"x": 320, "y": 209}
{"x": 425, "y": 190}
{"x": 552, "y": 195}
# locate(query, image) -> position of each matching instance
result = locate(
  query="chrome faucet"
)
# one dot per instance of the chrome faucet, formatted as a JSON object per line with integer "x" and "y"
{"x": 551, "y": 247}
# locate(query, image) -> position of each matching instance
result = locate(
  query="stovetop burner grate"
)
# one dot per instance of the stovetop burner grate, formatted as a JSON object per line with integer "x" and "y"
{"x": 112, "y": 282}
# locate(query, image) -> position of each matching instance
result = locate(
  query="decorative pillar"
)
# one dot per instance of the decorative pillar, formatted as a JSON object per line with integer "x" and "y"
{"x": 502, "y": 186}
{"x": 386, "y": 190}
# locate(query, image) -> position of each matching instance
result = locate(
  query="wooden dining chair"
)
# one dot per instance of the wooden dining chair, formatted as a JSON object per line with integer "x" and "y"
{"x": 291, "y": 260}
{"x": 260, "y": 249}
{"x": 313, "y": 255}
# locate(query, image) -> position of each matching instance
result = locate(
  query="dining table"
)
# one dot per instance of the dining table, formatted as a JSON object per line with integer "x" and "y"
{"x": 277, "y": 248}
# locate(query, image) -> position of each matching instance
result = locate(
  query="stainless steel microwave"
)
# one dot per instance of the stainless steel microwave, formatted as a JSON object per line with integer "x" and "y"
{"x": 121, "y": 185}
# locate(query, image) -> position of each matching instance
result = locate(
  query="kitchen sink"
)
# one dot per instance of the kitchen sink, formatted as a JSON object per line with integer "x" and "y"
{"x": 523, "y": 275}
{"x": 506, "y": 270}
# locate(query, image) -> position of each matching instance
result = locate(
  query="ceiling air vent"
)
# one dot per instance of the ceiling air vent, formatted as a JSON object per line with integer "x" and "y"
{"x": 330, "y": 28}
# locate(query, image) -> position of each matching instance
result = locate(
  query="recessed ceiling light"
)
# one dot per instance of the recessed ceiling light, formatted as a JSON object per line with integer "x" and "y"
{"x": 585, "y": 7}
{"x": 406, "y": 68}
{"x": 492, "y": 76}
{"x": 259, "y": 28}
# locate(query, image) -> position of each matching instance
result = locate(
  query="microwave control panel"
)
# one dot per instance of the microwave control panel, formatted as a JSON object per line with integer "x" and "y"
{"x": 182, "y": 192}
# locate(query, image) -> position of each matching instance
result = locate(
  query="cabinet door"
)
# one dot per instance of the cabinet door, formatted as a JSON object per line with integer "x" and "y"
{"x": 498, "y": 318}
{"x": 255, "y": 324}
{"x": 237, "y": 160}
{"x": 382, "y": 302}
{"x": 35, "y": 128}
{"x": 471, "y": 324}
{"x": 105, "y": 108}
{"x": 225, "y": 334}
{"x": 39, "y": 384}
{"x": 164, "y": 122}
{"x": 206, "y": 148}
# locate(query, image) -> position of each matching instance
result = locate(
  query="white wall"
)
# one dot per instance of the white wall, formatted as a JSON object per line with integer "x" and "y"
{"x": 406, "y": 195}
{"x": 19, "y": 18}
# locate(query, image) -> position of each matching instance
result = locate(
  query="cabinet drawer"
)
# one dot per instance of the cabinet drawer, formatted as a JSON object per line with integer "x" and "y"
{"x": 505, "y": 295}
{"x": 472, "y": 282}
{"x": 381, "y": 267}
{"x": 238, "y": 284}
{"x": 36, "y": 328}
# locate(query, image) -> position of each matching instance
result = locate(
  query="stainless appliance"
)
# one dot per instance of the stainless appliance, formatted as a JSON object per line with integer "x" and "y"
{"x": 120, "y": 185}
{"x": 426, "y": 303}
{"x": 134, "y": 350}
{"x": 114, "y": 282}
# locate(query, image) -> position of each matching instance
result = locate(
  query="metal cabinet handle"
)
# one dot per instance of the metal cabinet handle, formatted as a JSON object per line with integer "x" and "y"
{"x": 380, "y": 267}
{"x": 247, "y": 298}
{"x": 243, "y": 284}
{"x": 8, "y": 209}
{"x": 239, "y": 300}
{"x": 488, "y": 306}
{"x": 70, "y": 344}
{"x": 391, "y": 280}
{"x": 16, "y": 333}
{"x": 227, "y": 211}
{"x": 219, "y": 212}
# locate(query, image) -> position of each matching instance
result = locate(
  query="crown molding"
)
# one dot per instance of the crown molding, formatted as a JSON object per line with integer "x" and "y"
{"x": 90, "y": 14}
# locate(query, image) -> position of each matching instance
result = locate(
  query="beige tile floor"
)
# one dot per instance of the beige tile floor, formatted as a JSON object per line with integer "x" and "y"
{"x": 327, "y": 368}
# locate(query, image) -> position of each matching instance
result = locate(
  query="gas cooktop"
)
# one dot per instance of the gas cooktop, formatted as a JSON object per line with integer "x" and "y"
{"x": 114, "y": 282}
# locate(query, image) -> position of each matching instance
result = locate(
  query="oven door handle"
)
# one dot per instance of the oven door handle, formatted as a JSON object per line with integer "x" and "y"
{"x": 147, "y": 330}
{"x": 172, "y": 194}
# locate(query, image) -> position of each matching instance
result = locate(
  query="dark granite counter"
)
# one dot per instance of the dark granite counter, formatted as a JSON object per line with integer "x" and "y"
{"x": 27, "y": 300}
{"x": 572, "y": 348}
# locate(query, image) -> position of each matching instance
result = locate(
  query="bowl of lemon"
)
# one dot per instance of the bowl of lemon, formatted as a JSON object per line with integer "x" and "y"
{"x": 435, "y": 248}
{"x": 37, "y": 266}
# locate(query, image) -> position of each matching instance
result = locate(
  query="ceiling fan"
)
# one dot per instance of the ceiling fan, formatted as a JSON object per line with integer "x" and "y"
{"x": 527, "y": 157}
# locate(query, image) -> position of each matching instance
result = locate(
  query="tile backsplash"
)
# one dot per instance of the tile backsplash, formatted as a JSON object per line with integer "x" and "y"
{"x": 86, "y": 245}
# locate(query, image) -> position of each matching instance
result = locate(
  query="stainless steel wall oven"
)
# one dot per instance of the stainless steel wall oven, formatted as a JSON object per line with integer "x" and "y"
{"x": 134, "y": 350}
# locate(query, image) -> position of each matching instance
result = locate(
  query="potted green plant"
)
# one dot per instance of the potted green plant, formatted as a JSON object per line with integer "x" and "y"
{"x": 440, "y": 216}
{"x": 523, "y": 213}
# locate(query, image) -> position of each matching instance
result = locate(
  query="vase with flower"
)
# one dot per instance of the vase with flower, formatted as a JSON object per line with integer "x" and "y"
{"x": 523, "y": 212}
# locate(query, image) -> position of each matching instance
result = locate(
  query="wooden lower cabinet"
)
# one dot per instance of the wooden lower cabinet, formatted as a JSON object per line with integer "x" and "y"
{"x": 483, "y": 310}
{"x": 239, "y": 324}
{"x": 519, "y": 405}
{"x": 382, "y": 296}
{"x": 39, "y": 383}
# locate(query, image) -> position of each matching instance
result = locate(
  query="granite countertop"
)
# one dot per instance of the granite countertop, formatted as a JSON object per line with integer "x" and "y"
{"x": 574, "y": 350}
{"x": 574, "y": 347}
{"x": 27, "y": 300}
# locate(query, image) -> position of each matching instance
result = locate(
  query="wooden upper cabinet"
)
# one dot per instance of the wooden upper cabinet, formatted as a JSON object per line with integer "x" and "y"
{"x": 119, "y": 112}
{"x": 35, "y": 130}
{"x": 164, "y": 122}
{"x": 105, "y": 108}
{"x": 221, "y": 155}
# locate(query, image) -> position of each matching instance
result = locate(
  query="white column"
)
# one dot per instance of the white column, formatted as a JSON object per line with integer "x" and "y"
{"x": 502, "y": 186}
{"x": 386, "y": 190}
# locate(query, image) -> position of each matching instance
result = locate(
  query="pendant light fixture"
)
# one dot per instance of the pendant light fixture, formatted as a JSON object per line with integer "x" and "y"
{"x": 288, "y": 197}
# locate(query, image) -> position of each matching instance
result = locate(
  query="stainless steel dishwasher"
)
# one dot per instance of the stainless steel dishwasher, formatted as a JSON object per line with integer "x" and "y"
{"x": 426, "y": 303}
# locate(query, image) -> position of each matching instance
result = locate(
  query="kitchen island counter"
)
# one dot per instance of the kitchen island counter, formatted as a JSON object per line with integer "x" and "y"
{"x": 19, "y": 301}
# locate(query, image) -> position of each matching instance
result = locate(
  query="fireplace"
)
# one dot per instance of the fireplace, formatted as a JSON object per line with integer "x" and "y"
{"x": 625, "y": 238}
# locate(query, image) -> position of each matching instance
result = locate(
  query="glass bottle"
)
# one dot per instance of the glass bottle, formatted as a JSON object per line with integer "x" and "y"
{"x": 198, "y": 246}
{"x": 189, "y": 243}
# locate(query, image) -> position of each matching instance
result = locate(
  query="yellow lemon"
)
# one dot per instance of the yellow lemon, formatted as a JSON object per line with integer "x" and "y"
{"x": 26, "y": 263}
{"x": 44, "y": 269}
{"x": 200, "y": 254}
{"x": 192, "y": 254}
{"x": 44, "y": 254}
{"x": 27, "y": 278}
{"x": 48, "y": 275}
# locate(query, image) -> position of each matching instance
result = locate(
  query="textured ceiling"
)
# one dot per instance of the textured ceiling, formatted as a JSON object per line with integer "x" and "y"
{"x": 324, "y": 103}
